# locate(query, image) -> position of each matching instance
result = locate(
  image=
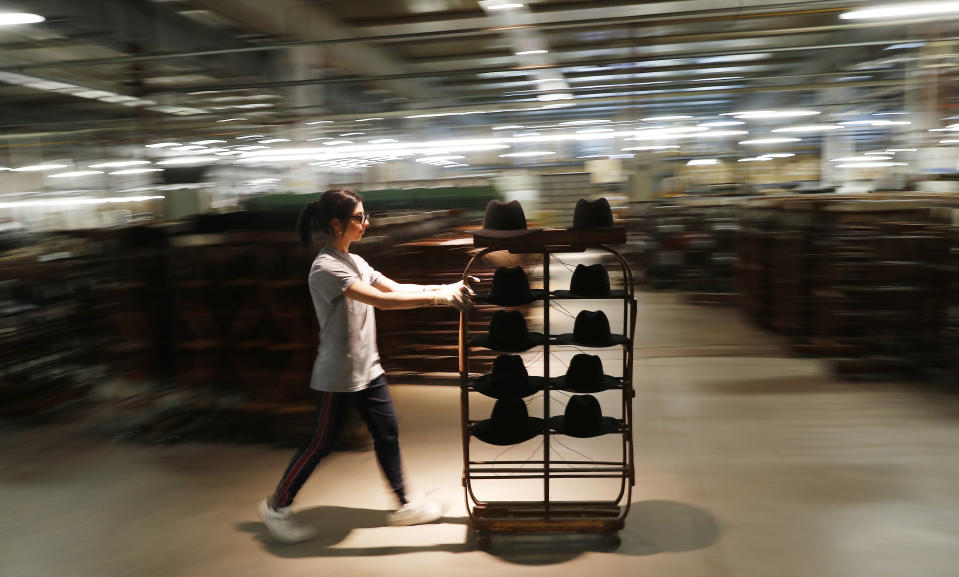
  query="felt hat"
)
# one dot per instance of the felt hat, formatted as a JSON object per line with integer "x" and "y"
{"x": 510, "y": 288}
{"x": 508, "y": 333}
{"x": 585, "y": 375}
{"x": 509, "y": 424}
{"x": 508, "y": 379}
{"x": 592, "y": 214}
{"x": 583, "y": 418}
{"x": 504, "y": 220}
{"x": 591, "y": 329}
{"x": 589, "y": 282}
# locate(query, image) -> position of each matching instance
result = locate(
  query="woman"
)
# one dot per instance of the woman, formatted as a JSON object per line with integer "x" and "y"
{"x": 347, "y": 370}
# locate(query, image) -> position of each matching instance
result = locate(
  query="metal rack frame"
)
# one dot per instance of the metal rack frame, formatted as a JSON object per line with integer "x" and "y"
{"x": 546, "y": 516}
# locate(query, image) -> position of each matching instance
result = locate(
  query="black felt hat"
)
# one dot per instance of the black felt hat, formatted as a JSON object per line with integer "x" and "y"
{"x": 583, "y": 418}
{"x": 592, "y": 214}
{"x": 509, "y": 424}
{"x": 589, "y": 282}
{"x": 508, "y": 379}
{"x": 510, "y": 288}
{"x": 585, "y": 375}
{"x": 591, "y": 329}
{"x": 508, "y": 333}
{"x": 504, "y": 220}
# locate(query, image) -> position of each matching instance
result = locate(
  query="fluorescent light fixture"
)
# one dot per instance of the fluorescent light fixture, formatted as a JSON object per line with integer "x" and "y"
{"x": 120, "y": 164}
{"x": 906, "y": 10}
{"x": 902, "y": 150}
{"x": 337, "y": 142}
{"x": 721, "y": 133}
{"x": 595, "y": 130}
{"x": 767, "y": 114}
{"x": 352, "y": 133}
{"x": 14, "y": 18}
{"x": 552, "y": 97}
{"x": 75, "y": 201}
{"x": 273, "y": 140}
{"x": 163, "y": 145}
{"x": 870, "y": 164}
{"x": 949, "y": 141}
{"x": 584, "y": 122}
{"x": 703, "y": 162}
{"x": 527, "y": 154}
{"x": 135, "y": 171}
{"x": 721, "y": 123}
{"x": 75, "y": 173}
{"x": 860, "y": 158}
{"x": 39, "y": 167}
{"x": 665, "y": 118}
{"x": 808, "y": 128}
{"x": 188, "y": 148}
{"x": 369, "y": 119}
{"x": 780, "y": 154}
{"x": 905, "y": 46}
{"x": 755, "y": 159}
{"x": 383, "y": 140}
{"x": 502, "y": 5}
{"x": 528, "y": 52}
{"x": 319, "y": 122}
{"x": 204, "y": 142}
{"x": 232, "y": 119}
{"x": 249, "y": 136}
{"x": 769, "y": 140}
{"x": 653, "y": 147}
{"x": 509, "y": 127}
{"x": 263, "y": 181}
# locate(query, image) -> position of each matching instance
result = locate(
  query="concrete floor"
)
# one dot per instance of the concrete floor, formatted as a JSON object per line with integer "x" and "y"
{"x": 750, "y": 463}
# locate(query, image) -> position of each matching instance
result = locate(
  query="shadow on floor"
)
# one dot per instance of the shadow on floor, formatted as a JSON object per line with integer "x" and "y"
{"x": 651, "y": 527}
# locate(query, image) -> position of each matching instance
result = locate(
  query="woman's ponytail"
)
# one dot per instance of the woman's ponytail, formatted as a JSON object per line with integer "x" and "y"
{"x": 335, "y": 203}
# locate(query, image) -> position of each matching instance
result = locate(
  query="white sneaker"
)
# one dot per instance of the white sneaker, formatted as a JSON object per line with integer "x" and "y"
{"x": 282, "y": 525}
{"x": 416, "y": 512}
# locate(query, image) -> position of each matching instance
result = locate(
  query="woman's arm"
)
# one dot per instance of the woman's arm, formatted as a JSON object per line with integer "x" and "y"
{"x": 390, "y": 286}
{"x": 373, "y": 296}
{"x": 386, "y": 284}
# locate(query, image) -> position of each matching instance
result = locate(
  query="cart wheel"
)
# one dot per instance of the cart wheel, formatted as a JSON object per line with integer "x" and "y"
{"x": 613, "y": 541}
{"x": 484, "y": 541}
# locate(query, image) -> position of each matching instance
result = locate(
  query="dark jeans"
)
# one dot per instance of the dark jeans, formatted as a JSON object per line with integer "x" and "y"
{"x": 375, "y": 405}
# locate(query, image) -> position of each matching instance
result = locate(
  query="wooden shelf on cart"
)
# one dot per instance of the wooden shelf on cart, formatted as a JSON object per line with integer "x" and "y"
{"x": 566, "y": 239}
{"x": 519, "y": 517}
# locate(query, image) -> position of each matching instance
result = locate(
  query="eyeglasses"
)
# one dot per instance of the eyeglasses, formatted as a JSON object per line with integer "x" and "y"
{"x": 363, "y": 217}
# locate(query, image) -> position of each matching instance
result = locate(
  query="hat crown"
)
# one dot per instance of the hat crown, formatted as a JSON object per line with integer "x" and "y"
{"x": 592, "y": 214}
{"x": 509, "y": 284}
{"x": 591, "y": 327}
{"x": 504, "y": 216}
{"x": 508, "y": 369}
{"x": 583, "y": 415}
{"x": 584, "y": 369}
{"x": 508, "y": 330}
{"x": 592, "y": 280}
{"x": 509, "y": 414}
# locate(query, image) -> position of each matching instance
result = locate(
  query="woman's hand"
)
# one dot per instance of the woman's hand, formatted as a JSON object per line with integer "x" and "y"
{"x": 456, "y": 295}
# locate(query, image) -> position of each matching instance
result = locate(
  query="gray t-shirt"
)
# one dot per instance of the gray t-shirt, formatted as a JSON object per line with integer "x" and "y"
{"x": 347, "y": 359}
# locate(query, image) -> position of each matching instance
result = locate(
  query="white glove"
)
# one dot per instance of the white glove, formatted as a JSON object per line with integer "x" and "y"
{"x": 459, "y": 285}
{"x": 458, "y": 298}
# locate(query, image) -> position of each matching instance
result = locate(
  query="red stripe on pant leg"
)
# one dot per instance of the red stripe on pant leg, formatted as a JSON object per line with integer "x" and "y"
{"x": 323, "y": 426}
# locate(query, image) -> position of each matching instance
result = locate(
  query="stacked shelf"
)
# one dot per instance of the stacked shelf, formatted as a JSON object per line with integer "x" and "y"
{"x": 538, "y": 510}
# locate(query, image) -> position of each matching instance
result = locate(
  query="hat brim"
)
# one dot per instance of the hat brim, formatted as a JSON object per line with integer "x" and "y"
{"x": 533, "y": 340}
{"x": 607, "y": 425}
{"x": 488, "y": 387}
{"x": 614, "y": 294}
{"x": 487, "y": 297}
{"x": 604, "y": 384}
{"x": 614, "y": 227}
{"x": 487, "y": 431}
{"x": 570, "y": 339}
{"x": 494, "y": 233}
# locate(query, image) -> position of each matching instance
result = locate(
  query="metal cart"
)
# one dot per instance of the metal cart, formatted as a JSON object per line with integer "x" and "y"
{"x": 603, "y": 517}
